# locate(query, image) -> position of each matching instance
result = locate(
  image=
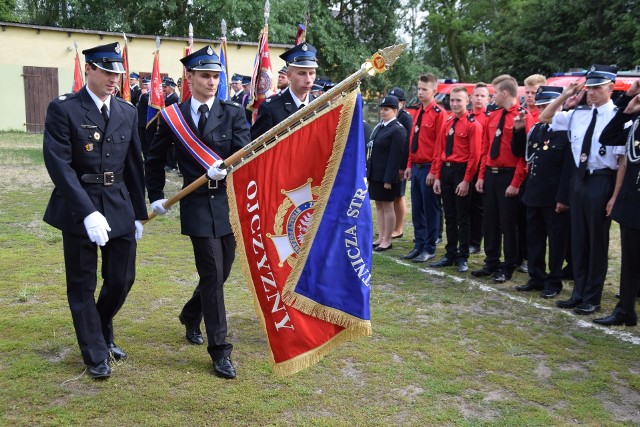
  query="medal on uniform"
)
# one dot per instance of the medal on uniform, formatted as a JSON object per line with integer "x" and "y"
{"x": 602, "y": 151}
{"x": 583, "y": 158}
{"x": 546, "y": 145}
{"x": 96, "y": 136}
{"x": 498, "y": 133}
{"x": 88, "y": 147}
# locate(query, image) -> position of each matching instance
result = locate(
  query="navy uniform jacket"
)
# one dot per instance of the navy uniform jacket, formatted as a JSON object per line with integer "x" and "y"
{"x": 136, "y": 92}
{"x": 550, "y": 169}
{"x": 77, "y": 143}
{"x": 626, "y": 209}
{"x": 142, "y": 106}
{"x": 171, "y": 99}
{"x": 384, "y": 161}
{"x": 237, "y": 98}
{"x": 205, "y": 212}
{"x": 274, "y": 110}
{"x": 406, "y": 120}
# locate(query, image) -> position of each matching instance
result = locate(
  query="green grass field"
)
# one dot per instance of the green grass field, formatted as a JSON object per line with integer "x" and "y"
{"x": 446, "y": 349}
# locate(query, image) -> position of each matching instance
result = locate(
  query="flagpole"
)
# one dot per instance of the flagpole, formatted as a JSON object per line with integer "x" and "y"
{"x": 380, "y": 62}
{"x": 223, "y": 27}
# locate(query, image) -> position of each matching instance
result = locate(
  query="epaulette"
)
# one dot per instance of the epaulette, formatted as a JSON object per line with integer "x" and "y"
{"x": 471, "y": 118}
{"x": 230, "y": 102}
{"x": 67, "y": 96}
{"x": 125, "y": 102}
{"x": 436, "y": 109}
{"x": 450, "y": 117}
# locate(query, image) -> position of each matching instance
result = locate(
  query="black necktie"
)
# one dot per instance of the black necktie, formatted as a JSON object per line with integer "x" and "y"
{"x": 414, "y": 142}
{"x": 586, "y": 144}
{"x": 105, "y": 114}
{"x": 202, "y": 121}
{"x": 301, "y": 106}
{"x": 449, "y": 148}
{"x": 495, "y": 146}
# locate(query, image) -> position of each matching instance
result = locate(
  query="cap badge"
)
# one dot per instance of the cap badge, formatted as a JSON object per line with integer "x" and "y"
{"x": 304, "y": 47}
{"x": 209, "y": 51}
{"x": 88, "y": 147}
{"x": 117, "y": 49}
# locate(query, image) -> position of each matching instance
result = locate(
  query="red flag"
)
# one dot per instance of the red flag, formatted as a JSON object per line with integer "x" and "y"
{"x": 272, "y": 214}
{"x": 77, "y": 75}
{"x": 156, "y": 96}
{"x": 262, "y": 78}
{"x": 185, "y": 89}
{"x": 125, "y": 89}
{"x": 301, "y": 35}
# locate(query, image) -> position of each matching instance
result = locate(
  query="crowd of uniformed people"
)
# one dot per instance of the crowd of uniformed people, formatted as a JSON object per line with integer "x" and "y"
{"x": 548, "y": 174}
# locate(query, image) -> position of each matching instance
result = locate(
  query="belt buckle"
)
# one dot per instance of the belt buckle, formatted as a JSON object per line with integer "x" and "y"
{"x": 447, "y": 163}
{"x": 495, "y": 170}
{"x": 213, "y": 186}
{"x": 108, "y": 178}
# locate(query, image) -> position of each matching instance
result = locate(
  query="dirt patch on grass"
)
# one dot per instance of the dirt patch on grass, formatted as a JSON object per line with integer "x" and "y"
{"x": 20, "y": 177}
{"x": 352, "y": 372}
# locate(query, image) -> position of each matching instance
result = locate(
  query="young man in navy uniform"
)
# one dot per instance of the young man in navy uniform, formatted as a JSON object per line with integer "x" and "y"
{"x": 455, "y": 164}
{"x": 301, "y": 71}
{"x": 626, "y": 208}
{"x": 92, "y": 153}
{"x": 502, "y": 172}
{"x": 592, "y": 184}
{"x": 204, "y": 214}
{"x": 546, "y": 197}
{"x": 134, "y": 79}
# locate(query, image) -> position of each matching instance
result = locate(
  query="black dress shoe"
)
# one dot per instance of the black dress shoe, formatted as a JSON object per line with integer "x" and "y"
{"x": 529, "y": 287}
{"x": 617, "y": 319}
{"x": 547, "y": 294}
{"x": 116, "y": 352}
{"x": 442, "y": 262}
{"x": 411, "y": 255}
{"x": 192, "y": 333}
{"x": 569, "y": 303}
{"x": 423, "y": 257}
{"x": 501, "y": 276}
{"x": 463, "y": 266}
{"x": 223, "y": 368}
{"x": 100, "y": 371}
{"x": 474, "y": 249}
{"x": 586, "y": 308}
{"x": 483, "y": 272}
{"x": 381, "y": 249}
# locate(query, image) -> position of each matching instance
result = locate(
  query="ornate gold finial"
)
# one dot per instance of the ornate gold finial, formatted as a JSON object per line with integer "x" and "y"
{"x": 382, "y": 60}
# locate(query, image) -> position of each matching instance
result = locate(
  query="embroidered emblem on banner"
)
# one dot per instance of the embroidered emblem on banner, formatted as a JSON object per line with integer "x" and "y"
{"x": 292, "y": 221}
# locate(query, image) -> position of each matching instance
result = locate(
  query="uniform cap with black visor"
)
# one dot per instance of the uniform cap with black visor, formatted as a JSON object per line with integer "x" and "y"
{"x": 302, "y": 55}
{"x": 546, "y": 94}
{"x": 204, "y": 59}
{"x": 107, "y": 57}
{"x": 600, "y": 75}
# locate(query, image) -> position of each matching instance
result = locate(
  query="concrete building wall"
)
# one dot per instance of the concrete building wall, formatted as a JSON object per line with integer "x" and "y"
{"x": 28, "y": 45}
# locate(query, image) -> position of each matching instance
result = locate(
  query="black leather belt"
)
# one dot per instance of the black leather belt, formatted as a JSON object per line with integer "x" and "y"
{"x": 214, "y": 185}
{"x": 499, "y": 170}
{"x": 421, "y": 165}
{"x": 605, "y": 171}
{"x": 106, "y": 178}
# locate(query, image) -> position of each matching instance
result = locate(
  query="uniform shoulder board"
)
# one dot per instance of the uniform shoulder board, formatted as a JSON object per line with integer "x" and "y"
{"x": 125, "y": 102}
{"x": 470, "y": 118}
{"x": 229, "y": 102}
{"x": 66, "y": 96}
{"x": 269, "y": 99}
{"x": 436, "y": 109}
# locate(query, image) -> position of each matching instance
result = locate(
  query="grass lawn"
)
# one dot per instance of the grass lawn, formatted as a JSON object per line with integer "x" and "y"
{"x": 447, "y": 349}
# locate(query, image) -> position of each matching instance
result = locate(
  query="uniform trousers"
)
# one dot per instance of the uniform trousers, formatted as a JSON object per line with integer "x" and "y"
{"x": 93, "y": 320}
{"x": 425, "y": 209}
{"x": 629, "y": 270}
{"x": 214, "y": 258}
{"x": 475, "y": 215}
{"x": 500, "y": 220}
{"x": 590, "y": 235}
{"x": 456, "y": 211}
{"x": 544, "y": 223}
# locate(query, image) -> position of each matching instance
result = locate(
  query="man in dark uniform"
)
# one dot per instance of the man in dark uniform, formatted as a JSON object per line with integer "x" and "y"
{"x": 246, "y": 98}
{"x": 425, "y": 205}
{"x": 236, "y": 85}
{"x": 92, "y": 153}
{"x": 479, "y": 100}
{"x": 301, "y": 71}
{"x": 626, "y": 208}
{"x": 455, "y": 164}
{"x": 399, "y": 205}
{"x": 141, "y": 107}
{"x": 546, "y": 197}
{"x": 283, "y": 80}
{"x": 592, "y": 184}
{"x": 134, "y": 79}
{"x": 503, "y": 172}
{"x": 170, "y": 97}
{"x": 204, "y": 214}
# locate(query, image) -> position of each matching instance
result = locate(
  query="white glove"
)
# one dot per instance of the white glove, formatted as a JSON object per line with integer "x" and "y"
{"x": 215, "y": 173}
{"x": 97, "y": 228}
{"x": 139, "y": 228}
{"x": 157, "y": 208}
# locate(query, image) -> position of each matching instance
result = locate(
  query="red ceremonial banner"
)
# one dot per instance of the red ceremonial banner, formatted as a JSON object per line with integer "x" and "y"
{"x": 77, "y": 75}
{"x": 185, "y": 88}
{"x": 271, "y": 204}
{"x": 125, "y": 89}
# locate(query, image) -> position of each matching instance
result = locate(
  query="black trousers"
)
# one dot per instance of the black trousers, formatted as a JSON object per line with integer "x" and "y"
{"x": 456, "y": 211}
{"x": 629, "y": 270}
{"x": 543, "y": 224}
{"x": 500, "y": 221}
{"x": 144, "y": 144}
{"x": 93, "y": 320}
{"x": 590, "y": 235}
{"x": 214, "y": 258}
{"x": 476, "y": 215}
{"x": 522, "y": 226}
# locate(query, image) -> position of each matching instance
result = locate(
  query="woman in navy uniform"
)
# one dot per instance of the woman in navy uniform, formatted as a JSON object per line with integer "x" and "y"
{"x": 383, "y": 162}
{"x": 204, "y": 214}
{"x": 626, "y": 208}
{"x": 92, "y": 153}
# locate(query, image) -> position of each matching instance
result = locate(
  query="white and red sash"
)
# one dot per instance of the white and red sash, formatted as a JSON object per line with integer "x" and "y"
{"x": 203, "y": 154}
